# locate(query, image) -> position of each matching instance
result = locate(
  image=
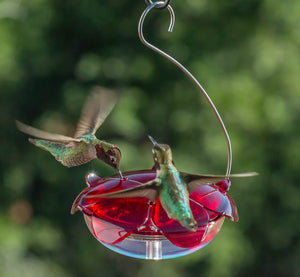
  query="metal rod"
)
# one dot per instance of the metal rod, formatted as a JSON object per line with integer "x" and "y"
{"x": 179, "y": 65}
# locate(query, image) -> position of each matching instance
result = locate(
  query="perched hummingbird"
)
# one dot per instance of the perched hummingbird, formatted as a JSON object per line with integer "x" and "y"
{"x": 171, "y": 186}
{"x": 84, "y": 146}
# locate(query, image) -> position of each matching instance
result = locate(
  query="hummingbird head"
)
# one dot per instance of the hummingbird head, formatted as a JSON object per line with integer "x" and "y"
{"x": 112, "y": 156}
{"x": 162, "y": 153}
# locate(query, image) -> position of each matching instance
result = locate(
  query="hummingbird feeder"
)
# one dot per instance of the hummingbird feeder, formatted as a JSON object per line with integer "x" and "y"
{"x": 140, "y": 228}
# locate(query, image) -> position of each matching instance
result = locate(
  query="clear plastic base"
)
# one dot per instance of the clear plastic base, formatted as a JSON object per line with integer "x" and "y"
{"x": 150, "y": 248}
{"x": 158, "y": 247}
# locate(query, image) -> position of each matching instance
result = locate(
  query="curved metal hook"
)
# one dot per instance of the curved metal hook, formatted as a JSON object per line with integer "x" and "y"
{"x": 160, "y": 6}
{"x": 179, "y": 65}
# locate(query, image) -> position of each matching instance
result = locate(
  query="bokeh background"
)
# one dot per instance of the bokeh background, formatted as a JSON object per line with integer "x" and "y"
{"x": 246, "y": 54}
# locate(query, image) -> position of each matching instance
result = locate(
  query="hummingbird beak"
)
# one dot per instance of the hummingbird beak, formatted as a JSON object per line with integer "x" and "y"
{"x": 152, "y": 140}
{"x": 121, "y": 175}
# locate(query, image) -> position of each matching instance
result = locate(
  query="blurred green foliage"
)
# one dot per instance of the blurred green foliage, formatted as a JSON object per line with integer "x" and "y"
{"x": 247, "y": 56}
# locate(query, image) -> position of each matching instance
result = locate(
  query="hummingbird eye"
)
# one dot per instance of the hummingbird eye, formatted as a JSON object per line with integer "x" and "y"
{"x": 112, "y": 159}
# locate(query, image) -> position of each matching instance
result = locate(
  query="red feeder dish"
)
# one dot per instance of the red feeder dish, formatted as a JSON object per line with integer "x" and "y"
{"x": 139, "y": 228}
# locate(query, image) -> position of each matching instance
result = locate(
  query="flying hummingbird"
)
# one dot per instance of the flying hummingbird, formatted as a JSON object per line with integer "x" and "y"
{"x": 84, "y": 146}
{"x": 171, "y": 186}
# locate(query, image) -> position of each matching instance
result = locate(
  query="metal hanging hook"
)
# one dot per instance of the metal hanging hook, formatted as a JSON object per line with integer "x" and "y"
{"x": 194, "y": 80}
{"x": 162, "y": 5}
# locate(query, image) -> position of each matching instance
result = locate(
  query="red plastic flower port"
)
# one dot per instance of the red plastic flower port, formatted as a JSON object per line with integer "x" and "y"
{"x": 139, "y": 228}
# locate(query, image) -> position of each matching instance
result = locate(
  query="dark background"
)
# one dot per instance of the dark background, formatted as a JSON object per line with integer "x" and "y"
{"x": 246, "y": 54}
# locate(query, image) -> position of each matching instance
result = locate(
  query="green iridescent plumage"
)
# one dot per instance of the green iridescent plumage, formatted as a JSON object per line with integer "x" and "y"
{"x": 171, "y": 186}
{"x": 84, "y": 146}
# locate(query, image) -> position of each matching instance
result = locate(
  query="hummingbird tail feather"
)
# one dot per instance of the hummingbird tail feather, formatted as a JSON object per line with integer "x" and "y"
{"x": 33, "y": 141}
{"x": 56, "y": 149}
{"x": 46, "y": 145}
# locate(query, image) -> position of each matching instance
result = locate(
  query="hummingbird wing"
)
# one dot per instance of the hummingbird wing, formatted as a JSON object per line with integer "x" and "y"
{"x": 194, "y": 181}
{"x": 97, "y": 107}
{"x": 44, "y": 135}
{"x": 148, "y": 190}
